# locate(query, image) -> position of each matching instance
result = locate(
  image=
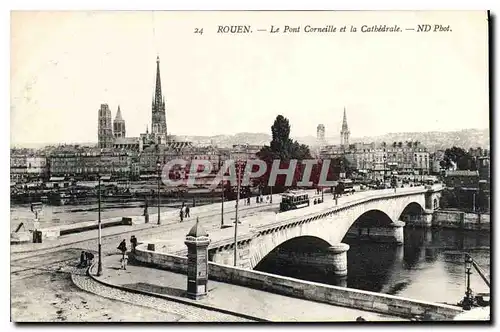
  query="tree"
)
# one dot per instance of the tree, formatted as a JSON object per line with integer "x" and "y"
{"x": 282, "y": 148}
{"x": 461, "y": 158}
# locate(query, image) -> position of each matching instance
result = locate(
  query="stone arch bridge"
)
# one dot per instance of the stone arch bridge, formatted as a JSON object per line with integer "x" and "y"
{"x": 380, "y": 215}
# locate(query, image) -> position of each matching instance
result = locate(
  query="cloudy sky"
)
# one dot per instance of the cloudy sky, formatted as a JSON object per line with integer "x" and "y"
{"x": 65, "y": 64}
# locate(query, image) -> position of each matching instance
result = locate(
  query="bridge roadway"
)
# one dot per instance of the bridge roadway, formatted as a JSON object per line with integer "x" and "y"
{"x": 262, "y": 220}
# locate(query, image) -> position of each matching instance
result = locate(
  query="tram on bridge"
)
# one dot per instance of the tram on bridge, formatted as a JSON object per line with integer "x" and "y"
{"x": 295, "y": 199}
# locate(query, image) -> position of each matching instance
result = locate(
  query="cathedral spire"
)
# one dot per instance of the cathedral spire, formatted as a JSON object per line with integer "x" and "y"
{"x": 118, "y": 114}
{"x": 158, "y": 116}
{"x": 344, "y": 122}
{"x": 158, "y": 96}
{"x": 344, "y": 133}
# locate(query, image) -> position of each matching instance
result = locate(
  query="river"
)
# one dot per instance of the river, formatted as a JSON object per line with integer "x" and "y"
{"x": 429, "y": 266}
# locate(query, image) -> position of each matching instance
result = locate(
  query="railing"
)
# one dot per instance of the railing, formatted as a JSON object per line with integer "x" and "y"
{"x": 387, "y": 193}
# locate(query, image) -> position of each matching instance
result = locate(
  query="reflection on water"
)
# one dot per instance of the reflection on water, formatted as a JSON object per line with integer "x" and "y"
{"x": 429, "y": 266}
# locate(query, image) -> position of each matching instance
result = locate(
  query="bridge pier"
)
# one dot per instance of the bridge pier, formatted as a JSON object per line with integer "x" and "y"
{"x": 338, "y": 257}
{"x": 392, "y": 233}
{"x": 331, "y": 260}
{"x": 423, "y": 220}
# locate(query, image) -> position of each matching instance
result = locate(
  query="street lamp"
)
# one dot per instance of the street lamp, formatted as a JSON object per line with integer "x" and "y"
{"x": 99, "y": 250}
{"x": 222, "y": 187}
{"x": 239, "y": 165}
{"x": 468, "y": 301}
{"x": 385, "y": 165}
{"x": 158, "y": 168}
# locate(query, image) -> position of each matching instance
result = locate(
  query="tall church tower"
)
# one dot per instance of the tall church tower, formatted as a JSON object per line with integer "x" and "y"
{"x": 119, "y": 124}
{"x": 320, "y": 134}
{"x": 158, "y": 119}
{"x": 344, "y": 133}
{"x": 105, "y": 131}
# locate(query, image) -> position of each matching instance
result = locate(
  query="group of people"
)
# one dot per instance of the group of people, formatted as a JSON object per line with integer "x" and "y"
{"x": 184, "y": 212}
{"x": 86, "y": 259}
{"x": 258, "y": 199}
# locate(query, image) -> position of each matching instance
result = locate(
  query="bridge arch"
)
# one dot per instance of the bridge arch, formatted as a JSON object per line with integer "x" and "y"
{"x": 330, "y": 223}
{"x": 373, "y": 218}
{"x": 294, "y": 249}
{"x": 412, "y": 212}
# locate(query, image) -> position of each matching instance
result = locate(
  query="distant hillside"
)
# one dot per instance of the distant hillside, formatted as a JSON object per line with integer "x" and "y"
{"x": 434, "y": 140}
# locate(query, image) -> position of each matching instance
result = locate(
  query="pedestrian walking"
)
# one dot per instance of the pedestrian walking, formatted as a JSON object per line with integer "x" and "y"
{"x": 124, "y": 262}
{"x": 89, "y": 258}
{"x": 187, "y": 212}
{"x": 123, "y": 248}
{"x": 133, "y": 243}
{"x": 248, "y": 200}
{"x": 181, "y": 215}
{"x": 83, "y": 260}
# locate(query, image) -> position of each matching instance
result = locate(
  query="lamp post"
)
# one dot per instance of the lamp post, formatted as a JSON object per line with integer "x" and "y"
{"x": 158, "y": 168}
{"x": 385, "y": 161}
{"x": 236, "y": 216}
{"x": 468, "y": 301}
{"x": 99, "y": 250}
{"x": 222, "y": 187}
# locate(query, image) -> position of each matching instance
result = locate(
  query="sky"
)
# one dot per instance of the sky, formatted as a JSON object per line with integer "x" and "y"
{"x": 65, "y": 64}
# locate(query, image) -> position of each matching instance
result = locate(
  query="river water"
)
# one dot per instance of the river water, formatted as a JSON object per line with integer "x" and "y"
{"x": 429, "y": 266}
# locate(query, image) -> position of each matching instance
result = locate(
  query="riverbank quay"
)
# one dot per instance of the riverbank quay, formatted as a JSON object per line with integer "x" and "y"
{"x": 333, "y": 295}
{"x": 212, "y": 211}
{"x": 253, "y": 304}
{"x": 455, "y": 219}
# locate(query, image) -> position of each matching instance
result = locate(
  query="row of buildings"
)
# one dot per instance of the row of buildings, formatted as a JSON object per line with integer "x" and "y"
{"x": 88, "y": 162}
{"x": 376, "y": 159}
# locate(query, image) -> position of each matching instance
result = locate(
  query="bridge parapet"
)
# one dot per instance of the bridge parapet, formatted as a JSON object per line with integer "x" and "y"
{"x": 325, "y": 209}
{"x": 330, "y": 221}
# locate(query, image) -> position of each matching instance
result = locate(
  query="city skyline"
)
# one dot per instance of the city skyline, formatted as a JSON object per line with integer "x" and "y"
{"x": 110, "y": 58}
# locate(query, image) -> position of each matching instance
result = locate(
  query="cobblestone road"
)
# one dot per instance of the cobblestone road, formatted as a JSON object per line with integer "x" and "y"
{"x": 186, "y": 312}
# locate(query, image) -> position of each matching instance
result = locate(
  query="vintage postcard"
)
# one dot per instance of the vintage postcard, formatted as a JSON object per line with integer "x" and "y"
{"x": 250, "y": 166}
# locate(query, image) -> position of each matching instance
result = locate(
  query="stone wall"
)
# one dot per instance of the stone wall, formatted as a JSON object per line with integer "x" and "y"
{"x": 352, "y": 298}
{"x": 461, "y": 220}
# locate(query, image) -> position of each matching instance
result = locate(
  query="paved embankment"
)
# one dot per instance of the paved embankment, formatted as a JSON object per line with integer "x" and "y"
{"x": 339, "y": 296}
{"x": 209, "y": 213}
{"x": 225, "y": 298}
